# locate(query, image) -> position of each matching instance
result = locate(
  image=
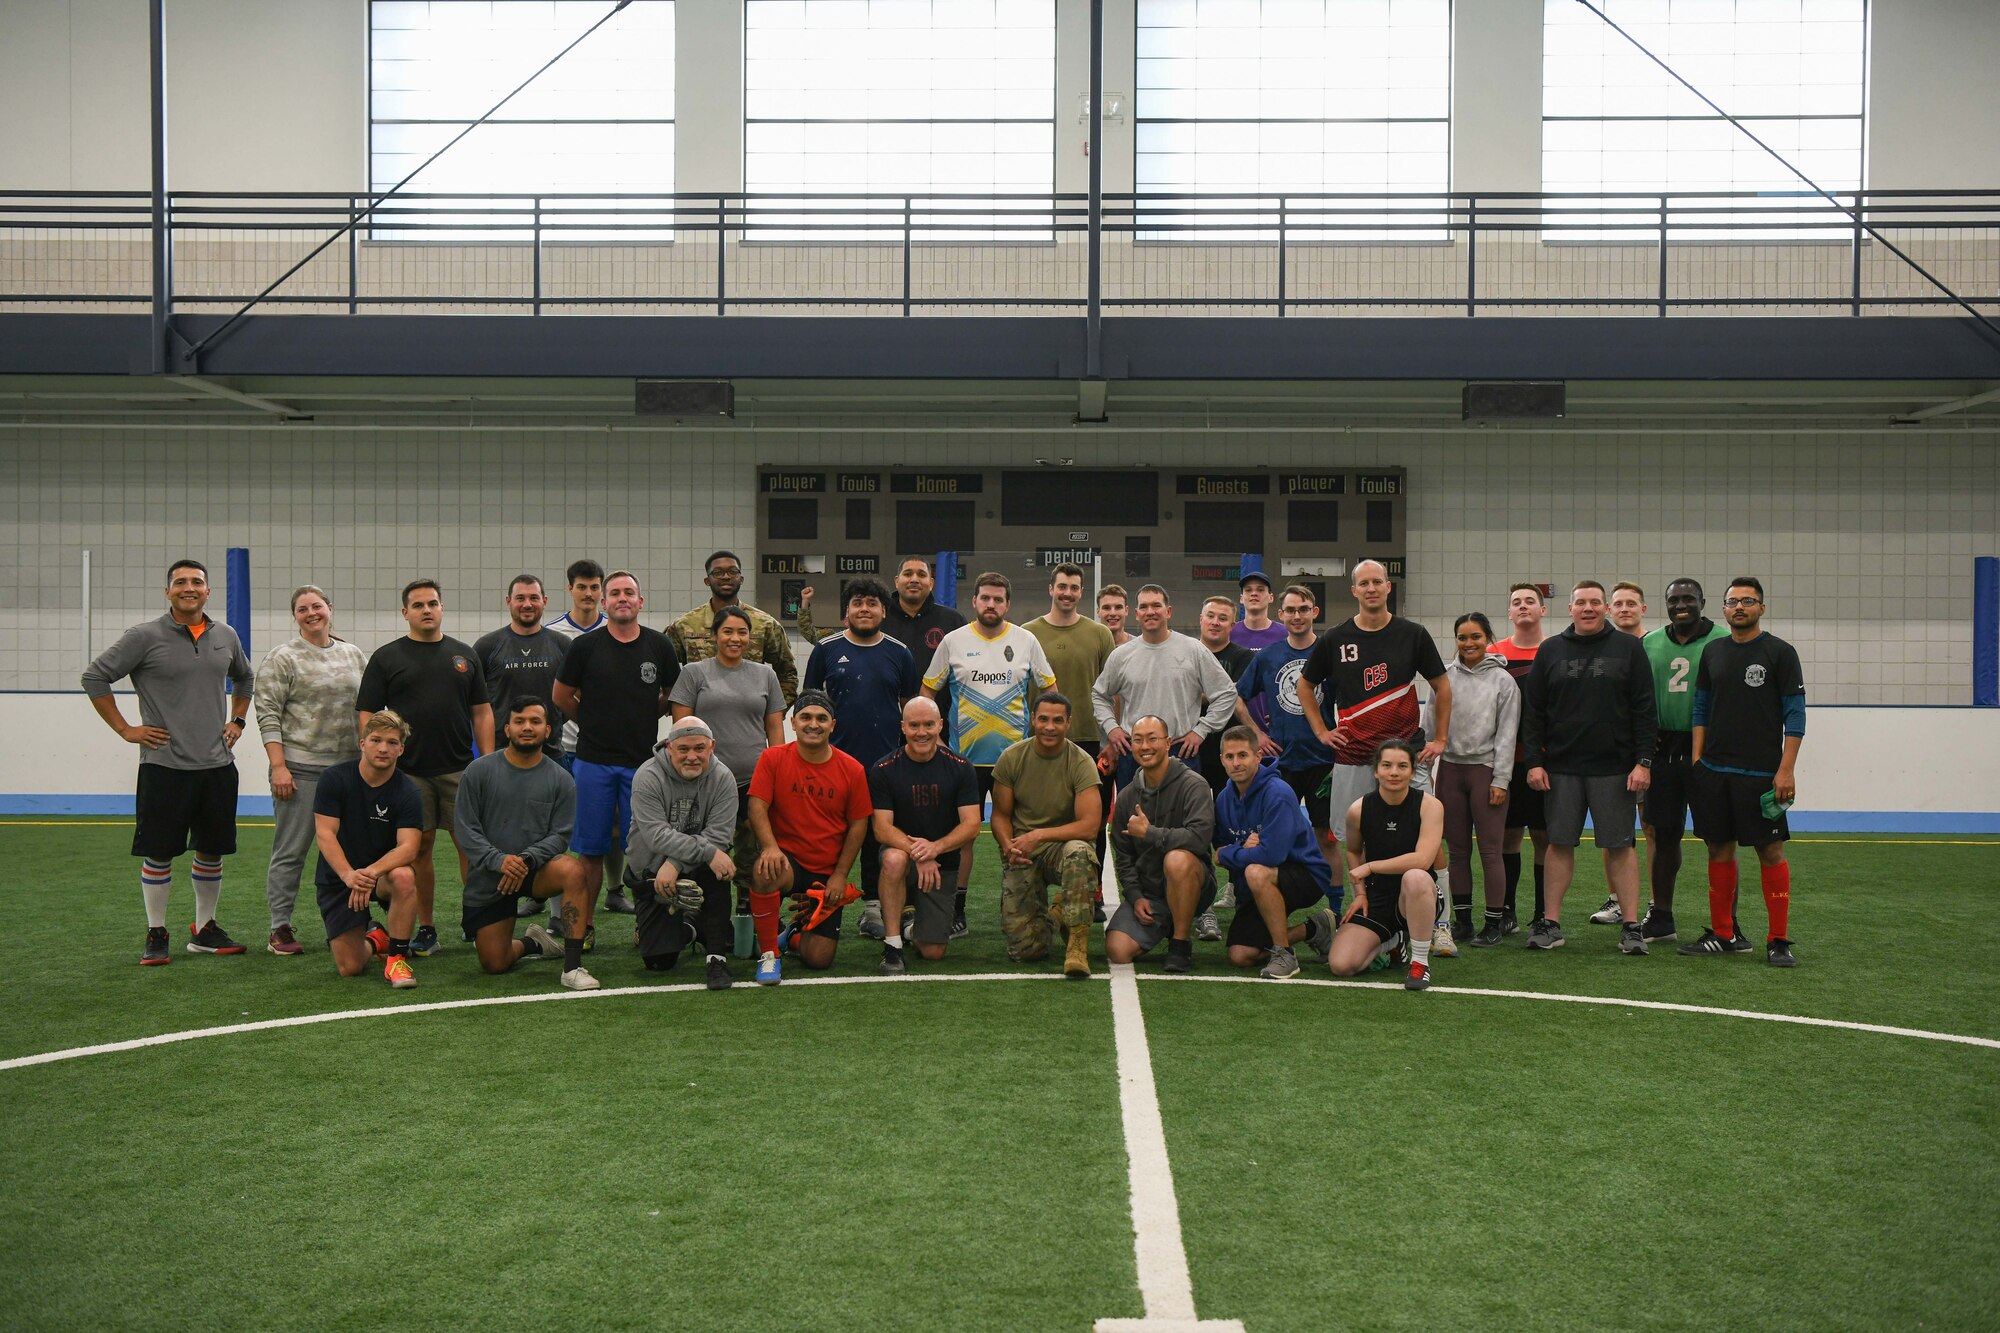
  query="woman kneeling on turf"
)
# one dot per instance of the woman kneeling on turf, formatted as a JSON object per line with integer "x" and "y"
{"x": 1392, "y": 840}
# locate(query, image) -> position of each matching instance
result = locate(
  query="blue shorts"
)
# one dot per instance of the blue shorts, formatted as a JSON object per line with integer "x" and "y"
{"x": 603, "y": 807}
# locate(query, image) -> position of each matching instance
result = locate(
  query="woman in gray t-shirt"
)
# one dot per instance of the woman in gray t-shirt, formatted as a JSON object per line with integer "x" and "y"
{"x": 739, "y": 699}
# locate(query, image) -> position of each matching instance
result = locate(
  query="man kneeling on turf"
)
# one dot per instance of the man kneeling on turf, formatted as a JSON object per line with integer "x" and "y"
{"x": 516, "y": 810}
{"x": 1046, "y": 809}
{"x": 369, "y": 820}
{"x": 1162, "y": 826}
{"x": 1392, "y": 839}
{"x": 677, "y": 850}
{"x": 809, "y": 810}
{"x": 927, "y": 807}
{"x": 1268, "y": 846}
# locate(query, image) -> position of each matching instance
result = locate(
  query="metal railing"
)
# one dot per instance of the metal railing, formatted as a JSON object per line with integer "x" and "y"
{"x": 908, "y": 254}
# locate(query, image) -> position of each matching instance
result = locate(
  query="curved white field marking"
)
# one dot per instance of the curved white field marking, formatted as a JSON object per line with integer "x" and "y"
{"x": 441, "y": 1006}
{"x": 1667, "y": 1006}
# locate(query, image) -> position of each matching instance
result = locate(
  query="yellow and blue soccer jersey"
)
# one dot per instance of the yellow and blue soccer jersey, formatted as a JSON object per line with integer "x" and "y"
{"x": 991, "y": 682}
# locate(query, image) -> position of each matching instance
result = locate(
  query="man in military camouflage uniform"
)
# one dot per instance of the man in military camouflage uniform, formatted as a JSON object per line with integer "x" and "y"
{"x": 1046, "y": 808}
{"x": 694, "y": 639}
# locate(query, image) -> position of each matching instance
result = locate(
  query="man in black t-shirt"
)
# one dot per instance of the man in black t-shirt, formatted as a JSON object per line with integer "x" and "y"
{"x": 523, "y": 656}
{"x": 927, "y": 807}
{"x": 368, "y": 820}
{"x": 1749, "y": 722}
{"x": 434, "y": 682}
{"x": 615, "y": 683}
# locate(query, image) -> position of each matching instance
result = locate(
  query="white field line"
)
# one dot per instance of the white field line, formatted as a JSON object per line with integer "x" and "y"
{"x": 1665, "y": 1006}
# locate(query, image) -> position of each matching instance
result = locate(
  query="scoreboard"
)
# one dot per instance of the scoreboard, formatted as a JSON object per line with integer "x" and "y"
{"x": 1186, "y": 529}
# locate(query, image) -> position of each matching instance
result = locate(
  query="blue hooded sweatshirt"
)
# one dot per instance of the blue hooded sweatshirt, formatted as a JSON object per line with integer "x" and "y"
{"x": 1271, "y": 810}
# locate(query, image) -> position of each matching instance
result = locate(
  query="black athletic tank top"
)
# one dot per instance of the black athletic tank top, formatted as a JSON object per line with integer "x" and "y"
{"x": 1390, "y": 830}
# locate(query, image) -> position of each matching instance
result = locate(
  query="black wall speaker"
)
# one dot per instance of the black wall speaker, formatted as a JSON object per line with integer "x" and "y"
{"x": 684, "y": 398}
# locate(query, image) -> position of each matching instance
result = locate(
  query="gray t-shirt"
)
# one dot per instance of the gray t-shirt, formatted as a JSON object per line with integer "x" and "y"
{"x": 733, "y": 701}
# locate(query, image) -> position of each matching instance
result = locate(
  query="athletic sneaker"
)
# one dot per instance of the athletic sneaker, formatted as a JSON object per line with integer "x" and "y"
{"x": 1442, "y": 943}
{"x": 578, "y": 979}
{"x": 397, "y": 973}
{"x": 1630, "y": 940}
{"x": 1097, "y": 917}
{"x": 529, "y": 905}
{"x": 769, "y": 970}
{"x": 1608, "y": 915}
{"x": 1419, "y": 978}
{"x": 1712, "y": 943}
{"x": 155, "y": 953}
{"x": 1740, "y": 943}
{"x": 1489, "y": 935}
{"x": 1778, "y": 953}
{"x": 1659, "y": 923}
{"x": 425, "y": 942}
{"x": 544, "y": 940}
{"x": 718, "y": 974}
{"x": 1283, "y": 966}
{"x": 378, "y": 940}
{"x": 1177, "y": 962}
{"x": 1206, "y": 927}
{"x": 1320, "y": 928}
{"x": 1225, "y": 897}
{"x": 211, "y": 938}
{"x": 892, "y": 961}
{"x": 1509, "y": 923}
{"x": 959, "y": 930}
{"x": 1545, "y": 934}
{"x": 283, "y": 942}
{"x": 589, "y": 938}
{"x": 619, "y": 902}
{"x": 871, "y": 921}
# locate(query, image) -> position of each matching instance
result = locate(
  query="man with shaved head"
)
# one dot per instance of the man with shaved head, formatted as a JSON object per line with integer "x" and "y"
{"x": 1162, "y": 827}
{"x": 927, "y": 807}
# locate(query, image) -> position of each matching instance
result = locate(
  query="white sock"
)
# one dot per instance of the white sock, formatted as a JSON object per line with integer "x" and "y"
{"x": 155, "y": 879}
{"x": 893, "y": 941}
{"x": 207, "y": 876}
{"x": 1420, "y": 952}
{"x": 717, "y": 958}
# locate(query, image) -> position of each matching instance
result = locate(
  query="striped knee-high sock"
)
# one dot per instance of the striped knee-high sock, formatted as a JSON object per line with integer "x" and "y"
{"x": 207, "y": 878}
{"x": 155, "y": 878}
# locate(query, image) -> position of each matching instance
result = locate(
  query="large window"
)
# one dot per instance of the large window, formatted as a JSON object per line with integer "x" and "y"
{"x": 892, "y": 97}
{"x": 600, "y": 122}
{"x": 1259, "y": 97}
{"x": 1791, "y": 70}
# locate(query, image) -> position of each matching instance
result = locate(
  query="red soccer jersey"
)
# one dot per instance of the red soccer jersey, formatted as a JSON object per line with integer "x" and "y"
{"x": 1370, "y": 678}
{"x": 811, "y": 804}
{"x": 1518, "y": 661}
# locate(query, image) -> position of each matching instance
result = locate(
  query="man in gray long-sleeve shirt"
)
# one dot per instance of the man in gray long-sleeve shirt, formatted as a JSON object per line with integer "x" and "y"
{"x": 516, "y": 810}
{"x": 187, "y": 779}
{"x": 1161, "y": 829}
{"x": 677, "y": 860}
{"x": 1168, "y": 675}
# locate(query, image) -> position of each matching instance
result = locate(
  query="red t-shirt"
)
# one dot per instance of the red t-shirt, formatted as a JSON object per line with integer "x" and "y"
{"x": 811, "y": 804}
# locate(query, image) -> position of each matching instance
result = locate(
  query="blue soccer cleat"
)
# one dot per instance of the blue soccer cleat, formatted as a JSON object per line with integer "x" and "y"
{"x": 769, "y": 970}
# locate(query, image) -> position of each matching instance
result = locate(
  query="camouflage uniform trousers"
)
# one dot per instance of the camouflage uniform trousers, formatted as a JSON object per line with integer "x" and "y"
{"x": 1032, "y": 928}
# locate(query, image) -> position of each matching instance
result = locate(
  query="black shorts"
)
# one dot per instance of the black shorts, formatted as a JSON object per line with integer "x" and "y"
{"x": 1525, "y": 804}
{"x": 503, "y": 908}
{"x": 803, "y": 879}
{"x": 1299, "y": 889}
{"x": 1385, "y": 919}
{"x": 1307, "y": 784}
{"x": 336, "y": 914}
{"x": 1668, "y": 798}
{"x": 185, "y": 809}
{"x": 662, "y": 930}
{"x": 1726, "y": 809}
{"x": 1211, "y": 762}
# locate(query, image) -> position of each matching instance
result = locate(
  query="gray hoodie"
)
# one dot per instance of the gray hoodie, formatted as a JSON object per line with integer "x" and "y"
{"x": 1485, "y": 715}
{"x": 1181, "y": 811}
{"x": 678, "y": 820}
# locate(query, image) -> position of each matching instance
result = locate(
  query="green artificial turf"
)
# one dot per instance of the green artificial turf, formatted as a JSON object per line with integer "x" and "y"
{"x": 950, "y": 1156}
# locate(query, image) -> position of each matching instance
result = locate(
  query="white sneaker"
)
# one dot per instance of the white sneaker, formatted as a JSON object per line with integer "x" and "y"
{"x": 1608, "y": 915}
{"x": 578, "y": 979}
{"x": 1225, "y": 897}
{"x": 550, "y": 946}
{"x": 1206, "y": 927}
{"x": 1442, "y": 944}
{"x": 871, "y": 921}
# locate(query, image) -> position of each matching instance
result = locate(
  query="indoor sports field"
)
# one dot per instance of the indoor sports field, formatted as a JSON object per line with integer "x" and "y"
{"x": 915, "y": 1154}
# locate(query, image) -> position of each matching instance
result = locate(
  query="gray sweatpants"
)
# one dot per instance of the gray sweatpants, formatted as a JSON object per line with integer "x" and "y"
{"x": 290, "y": 842}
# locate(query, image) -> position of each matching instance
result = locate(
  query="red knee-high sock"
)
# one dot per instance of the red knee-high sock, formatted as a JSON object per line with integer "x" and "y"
{"x": 1722, "y": 898}
{"x": 764, "y": 912}
{"x": 1778, "y": 896}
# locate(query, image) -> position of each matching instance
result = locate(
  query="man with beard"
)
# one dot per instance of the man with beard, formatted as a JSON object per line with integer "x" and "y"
{"x": 1675, "y": 650}
{"x": 693, "y": 635}
{"x": 522, "y": 657}
{"x": 683, "y": 824}
{"x": 809, "y": 810}
{"x": 515, "y": 812}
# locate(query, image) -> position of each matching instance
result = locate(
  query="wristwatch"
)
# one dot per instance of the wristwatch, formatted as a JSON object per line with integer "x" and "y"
{"x": 1645, "y": 763}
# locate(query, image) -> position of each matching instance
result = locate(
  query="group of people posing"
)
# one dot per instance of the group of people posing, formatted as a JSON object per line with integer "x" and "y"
{"x": 1270, "y": 748}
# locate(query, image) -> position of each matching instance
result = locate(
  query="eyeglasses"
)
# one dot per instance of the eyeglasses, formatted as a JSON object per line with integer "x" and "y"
{"x": 1733, "y": 602}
